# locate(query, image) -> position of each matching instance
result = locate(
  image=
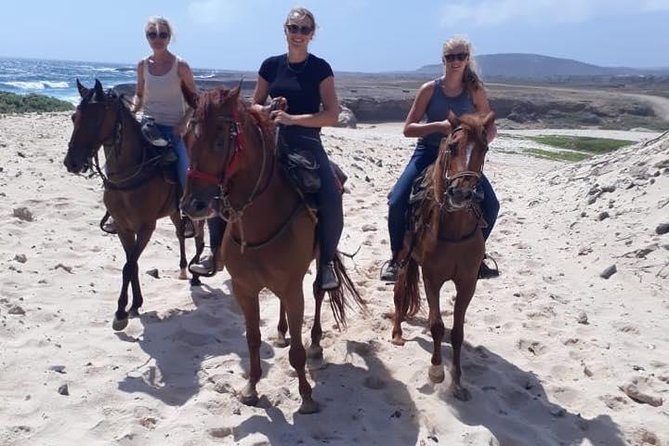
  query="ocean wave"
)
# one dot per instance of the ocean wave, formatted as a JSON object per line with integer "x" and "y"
{"x": 204, "y": 76}
{"x": 37, "y": 85}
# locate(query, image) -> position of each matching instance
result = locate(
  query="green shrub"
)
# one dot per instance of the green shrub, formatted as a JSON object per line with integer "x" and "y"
{"x": 559, "y": 155}
{"x": 16, "y": 103}
{"x": 582, "y": 143}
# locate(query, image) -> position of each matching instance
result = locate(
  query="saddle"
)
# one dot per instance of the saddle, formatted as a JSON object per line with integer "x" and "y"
{"x": 301, "y": 169}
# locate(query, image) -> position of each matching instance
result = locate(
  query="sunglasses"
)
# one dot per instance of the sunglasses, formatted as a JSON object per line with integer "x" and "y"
{"x": 304, "y": 30}
{"x": 453, "y": 57}
{"x": 153, "y": 35}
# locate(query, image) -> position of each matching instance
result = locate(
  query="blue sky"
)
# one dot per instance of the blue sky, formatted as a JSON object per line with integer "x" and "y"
{"x": 353, "y": 35}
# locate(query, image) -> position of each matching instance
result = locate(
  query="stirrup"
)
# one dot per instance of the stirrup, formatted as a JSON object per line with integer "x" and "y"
{"x": 108, "y": 226}
{"x": 486, "y": 272}
{"x": 389, "y": 271}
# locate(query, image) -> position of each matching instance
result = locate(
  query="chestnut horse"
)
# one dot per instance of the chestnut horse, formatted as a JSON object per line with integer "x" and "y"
{"x": 270, "y": 238}
{"x": 136, "y": 193}
{"x": 446, "y": 240}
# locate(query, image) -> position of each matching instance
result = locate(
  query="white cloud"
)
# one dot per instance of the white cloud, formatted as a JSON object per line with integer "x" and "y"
{"x": 214, "y": 12}
{"x": 494, "y": 12}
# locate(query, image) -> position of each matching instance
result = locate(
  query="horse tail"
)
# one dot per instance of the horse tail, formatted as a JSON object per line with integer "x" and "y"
{"x": 407, "y": 295}
{"x": 340, "y": 298}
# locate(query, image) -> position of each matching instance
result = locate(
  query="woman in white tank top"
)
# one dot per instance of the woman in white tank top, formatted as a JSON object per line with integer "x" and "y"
{"x": 158, "y": 95}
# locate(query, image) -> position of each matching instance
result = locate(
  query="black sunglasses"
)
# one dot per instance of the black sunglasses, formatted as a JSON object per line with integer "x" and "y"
{"x": 152, "y": 35}
{"x": 453, "y": 57}
{"x": 304, "y": 30}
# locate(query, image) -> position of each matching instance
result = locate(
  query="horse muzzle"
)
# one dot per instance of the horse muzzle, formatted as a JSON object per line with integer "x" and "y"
{"x": 459, "y": 197}
{"x": 198, "y": 207}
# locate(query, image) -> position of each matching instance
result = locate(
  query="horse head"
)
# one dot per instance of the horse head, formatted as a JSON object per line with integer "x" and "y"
{"x": 461, "y": 159}
{"x": 94, "y": 121}
{"x": 214, "y": 141}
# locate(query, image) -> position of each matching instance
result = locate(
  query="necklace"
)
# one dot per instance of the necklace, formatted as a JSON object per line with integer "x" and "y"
{"x": 297, "y": 67}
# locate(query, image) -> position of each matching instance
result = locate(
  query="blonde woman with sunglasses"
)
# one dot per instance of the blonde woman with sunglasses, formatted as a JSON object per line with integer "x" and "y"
{"x": 158, "y": 95}
{"x": 458, "y": 89}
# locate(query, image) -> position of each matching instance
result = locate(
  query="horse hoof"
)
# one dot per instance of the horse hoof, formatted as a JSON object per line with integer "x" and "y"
{"x": 461, "y": 393}
{"x": 183, "y": 274}
{"x": 315, "y": 352}
{"x": 397, "y": 340}
{"x": 249, "y": 396}
{"x": 308, "y": 406}
{"x": 436, "y": 373}
{"x": 133, "y": 313}
{"x": 195, "y": 281}
{"x": 119, "y": 324}
{"x": 280, "y": 342}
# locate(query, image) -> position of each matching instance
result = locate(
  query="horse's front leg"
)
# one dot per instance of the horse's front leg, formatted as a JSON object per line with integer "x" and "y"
{"x": 294, "y": 302}
{"x": 143, "y": 238}
{"x": 183, "y": 263}
{"x": 121, "y": 316}
{"x": 315, "y": 350}
{"x": 248, "y": 301}
{"x": 465, "y": 292}
{"x": 436, "y": 325}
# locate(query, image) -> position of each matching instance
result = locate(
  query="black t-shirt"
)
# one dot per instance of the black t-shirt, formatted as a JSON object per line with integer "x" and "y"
{"x": 298, "y": 83}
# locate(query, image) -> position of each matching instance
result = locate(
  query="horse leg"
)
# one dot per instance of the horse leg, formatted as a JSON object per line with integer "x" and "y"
{"x": 199, "y": 247}
{"x": 176, "y": 220}
{"x": 315, "y": 350}
{"x": 436, "y": 325}
{"x": 281, "y": 328}
{"x": 248, "y": 301}
{"x": 464, "y": 294}
{"x": 121, "y": 316}
{"x": 143, "y": 238}
{"x": 297, "y": 355}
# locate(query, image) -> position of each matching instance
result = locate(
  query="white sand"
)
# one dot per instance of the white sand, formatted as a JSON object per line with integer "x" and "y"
{"x": 549, "y": 344}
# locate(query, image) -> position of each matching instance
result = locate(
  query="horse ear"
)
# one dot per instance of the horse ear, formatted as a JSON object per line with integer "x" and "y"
{"x": 487, "y": 119}
{"x": 83, "y": 91}
{"x": 236, "y": 90}
{"x": 453, "y": 119}
{"x": 189, "y": 96}
{"x": 99, "y": 94}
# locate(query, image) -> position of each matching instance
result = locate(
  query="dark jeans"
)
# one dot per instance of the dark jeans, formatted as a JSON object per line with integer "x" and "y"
{"x": 328, "y": 197}
{"x": 398, "y": 200}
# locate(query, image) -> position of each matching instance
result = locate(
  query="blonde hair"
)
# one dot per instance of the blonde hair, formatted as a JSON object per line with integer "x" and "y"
{"x": 160, "y": 24}
{"x": 300, "y": 13}
{"x": 471, "y": 78}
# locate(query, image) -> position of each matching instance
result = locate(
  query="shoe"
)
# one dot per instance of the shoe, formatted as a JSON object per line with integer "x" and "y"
{"x": 189, "y": 229}
{"x": 486, "y": 272}
{"x": 328, "y": 277}
{"x": 205, "y": 267}
{"x": 389, "y": 271}
{"x": 107, "y": 224}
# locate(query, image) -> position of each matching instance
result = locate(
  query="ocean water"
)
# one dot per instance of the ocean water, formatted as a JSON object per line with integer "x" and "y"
{"x": 57, "y": 78}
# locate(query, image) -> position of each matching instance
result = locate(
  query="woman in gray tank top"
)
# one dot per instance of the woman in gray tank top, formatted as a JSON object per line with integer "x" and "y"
{"x": 460, "y": 90}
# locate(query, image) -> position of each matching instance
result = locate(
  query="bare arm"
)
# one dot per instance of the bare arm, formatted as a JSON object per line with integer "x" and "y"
{"x": 480, "y": 98}
{"x": 412, "y": 125}
{"x": 260, "y": 95}
{"x": 138, "y": 100}
{"x": 186, "y": 76}
{"x": 327, "y": 117}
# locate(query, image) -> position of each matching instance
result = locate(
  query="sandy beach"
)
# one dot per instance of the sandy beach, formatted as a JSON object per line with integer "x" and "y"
{"x": 555, "y": 353}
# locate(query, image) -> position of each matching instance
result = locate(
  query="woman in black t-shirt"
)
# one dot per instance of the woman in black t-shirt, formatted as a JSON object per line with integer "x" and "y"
{"x": 299, "y": 83}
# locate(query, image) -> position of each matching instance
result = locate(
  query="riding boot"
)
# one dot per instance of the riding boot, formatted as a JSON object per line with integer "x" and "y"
{"x": 107, "y": 224}
{"x": 328, "y": 277}
{"x": 389, "y": 270}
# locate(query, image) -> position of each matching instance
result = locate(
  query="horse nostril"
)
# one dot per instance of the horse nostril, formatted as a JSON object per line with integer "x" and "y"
{"x": 200, "y": 206}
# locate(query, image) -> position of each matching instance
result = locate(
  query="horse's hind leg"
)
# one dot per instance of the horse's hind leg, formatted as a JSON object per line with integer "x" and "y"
{"x": 436, "y": 325}
{"x": 281, "y": 328}
{"x": 315, "y": 350}
{"x": 465, "y": 292}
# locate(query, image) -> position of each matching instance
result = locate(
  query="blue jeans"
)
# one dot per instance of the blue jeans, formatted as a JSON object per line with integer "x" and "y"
{"x": 398, "y": 200}
{"x": 328, "y": 197}
{"x": 180, "y": 150}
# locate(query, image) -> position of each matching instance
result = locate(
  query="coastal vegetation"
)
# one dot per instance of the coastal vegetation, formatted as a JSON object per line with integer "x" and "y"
{"x": 16, "y": 103}
{"x": 586, "y": 144}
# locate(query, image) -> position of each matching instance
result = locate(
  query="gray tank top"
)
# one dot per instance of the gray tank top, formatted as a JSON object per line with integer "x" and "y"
{"x": 437, "y": 109}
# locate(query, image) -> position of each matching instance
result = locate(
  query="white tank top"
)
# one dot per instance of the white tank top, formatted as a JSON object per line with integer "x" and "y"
{"x": 163, "y": 99}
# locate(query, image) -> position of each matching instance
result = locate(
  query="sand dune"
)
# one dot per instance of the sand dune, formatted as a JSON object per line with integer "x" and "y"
{"x": 555, "y": 354}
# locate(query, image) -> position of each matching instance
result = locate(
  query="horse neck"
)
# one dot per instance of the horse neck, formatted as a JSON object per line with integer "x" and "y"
{"x": 126, "y": 149}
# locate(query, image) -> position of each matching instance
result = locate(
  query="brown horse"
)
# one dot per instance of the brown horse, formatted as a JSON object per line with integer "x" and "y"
{"x": 446, "y": 240}
{"x": 270, "y": 238}
{"x": 136, "y": 192}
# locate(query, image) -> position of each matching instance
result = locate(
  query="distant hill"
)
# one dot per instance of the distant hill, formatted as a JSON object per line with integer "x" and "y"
{"x": 534, "y": 66}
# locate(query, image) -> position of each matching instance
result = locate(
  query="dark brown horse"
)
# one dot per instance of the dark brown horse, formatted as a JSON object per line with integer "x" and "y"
{"x": 136, "y": 192}
{"x": 270, "y": 238}
{"x": 446, "y": 240}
